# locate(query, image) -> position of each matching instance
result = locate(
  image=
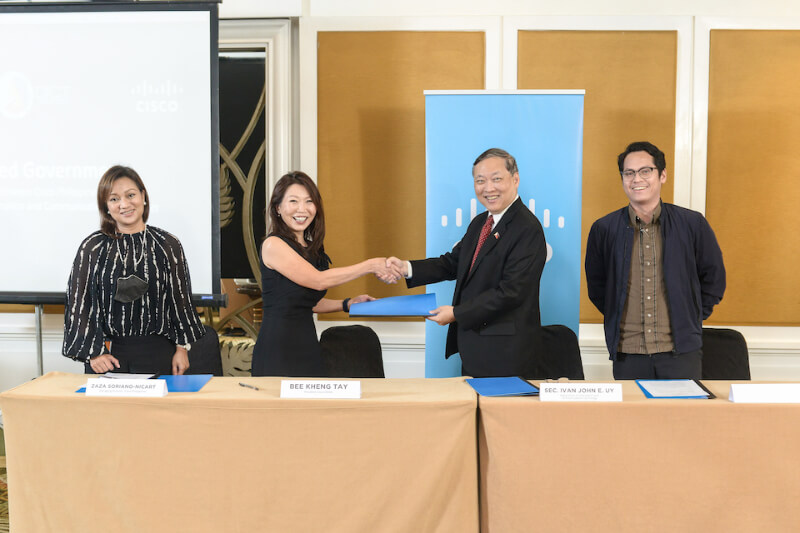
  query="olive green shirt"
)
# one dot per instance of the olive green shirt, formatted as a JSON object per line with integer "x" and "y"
{"x": 645, "y": 327}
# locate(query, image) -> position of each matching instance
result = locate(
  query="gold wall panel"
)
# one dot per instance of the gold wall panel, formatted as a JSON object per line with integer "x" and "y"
{"x": 753, "y": 190}
{"x": 629, "y": 78}
{"x": 48, "y": 309}
{"x": 371, "y": 139}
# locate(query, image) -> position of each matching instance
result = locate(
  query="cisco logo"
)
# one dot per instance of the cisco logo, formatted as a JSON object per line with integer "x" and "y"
{"x": 159, "y": 97}
{"x": 473, "y": 211}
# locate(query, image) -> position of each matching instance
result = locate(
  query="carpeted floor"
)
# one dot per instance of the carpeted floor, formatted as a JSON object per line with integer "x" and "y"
{"x": 3, "y": 501}
{"x": 3, "y": 488}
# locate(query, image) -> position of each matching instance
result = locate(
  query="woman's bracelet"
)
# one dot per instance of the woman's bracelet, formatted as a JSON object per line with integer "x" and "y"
{"x": 346, "y": 305}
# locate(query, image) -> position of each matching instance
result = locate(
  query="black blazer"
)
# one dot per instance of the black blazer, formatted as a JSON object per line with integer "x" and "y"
{"x": 496, "y": 304}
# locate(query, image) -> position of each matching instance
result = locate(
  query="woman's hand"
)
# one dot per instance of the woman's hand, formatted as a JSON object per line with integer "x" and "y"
{"x": 361, "y": 298}
{"x": 180, "y": 361}
{"x": 103, "y": 363}
{"x": 378, "y": 266}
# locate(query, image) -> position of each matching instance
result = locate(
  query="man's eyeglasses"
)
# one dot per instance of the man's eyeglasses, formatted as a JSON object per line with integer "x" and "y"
{"x": 644, "y": 173}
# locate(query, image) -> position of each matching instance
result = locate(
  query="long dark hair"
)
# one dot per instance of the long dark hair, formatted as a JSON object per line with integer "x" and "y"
{"x": 107, "y": 224}
{"x": 315, "y": 233}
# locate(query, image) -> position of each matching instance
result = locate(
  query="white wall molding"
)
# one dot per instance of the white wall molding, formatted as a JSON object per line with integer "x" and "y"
{"x": 18, "y": 348}
{"x": 231, "y": 9}
{"x": 353, "y": 8}
{"x": 273, "y": 37}
{"x": 444, "y": 8}
{"x": 774, "y": 352}
{"x": 402, "y": 343}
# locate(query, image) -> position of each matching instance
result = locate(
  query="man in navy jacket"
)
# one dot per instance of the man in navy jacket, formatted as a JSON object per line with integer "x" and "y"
{"x": 655, "y": 271}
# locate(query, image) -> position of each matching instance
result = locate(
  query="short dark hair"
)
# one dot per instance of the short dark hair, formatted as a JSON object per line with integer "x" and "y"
{"x": 315, "y": 233}
{"x": 511, "y": 163}
{"x": 107, "y": 224}
{"x": 643, "y": 146}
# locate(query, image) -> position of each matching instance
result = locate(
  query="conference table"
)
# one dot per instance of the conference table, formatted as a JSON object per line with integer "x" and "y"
{"x": 410, "y": 455}
{"x": 401, "y": 458}
{"x": 639, "y": 465}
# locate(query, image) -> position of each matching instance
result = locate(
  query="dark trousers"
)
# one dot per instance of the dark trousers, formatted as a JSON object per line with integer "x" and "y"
{"x": 151, "y": 354}
{"x": 531, "y": 371}
{"x": 664, "y": 365}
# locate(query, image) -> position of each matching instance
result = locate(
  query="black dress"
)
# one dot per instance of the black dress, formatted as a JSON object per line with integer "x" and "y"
{"x": 287, "y": 343}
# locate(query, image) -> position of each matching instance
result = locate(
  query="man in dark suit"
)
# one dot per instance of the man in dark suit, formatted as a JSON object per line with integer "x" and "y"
{"x": 494, "y": 320}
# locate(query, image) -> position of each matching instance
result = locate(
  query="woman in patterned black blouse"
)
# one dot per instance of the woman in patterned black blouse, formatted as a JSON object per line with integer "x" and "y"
{"x": 129, "y": 303}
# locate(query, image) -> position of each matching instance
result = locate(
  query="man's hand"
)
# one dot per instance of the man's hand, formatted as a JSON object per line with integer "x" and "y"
{"x": 382, "y": 271}
{"x": 443, "y": 315}
{"x": 398, "y": 266}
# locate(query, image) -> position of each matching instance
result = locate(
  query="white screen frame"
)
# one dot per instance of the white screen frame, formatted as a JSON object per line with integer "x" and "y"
{"x": 167, "y": 173}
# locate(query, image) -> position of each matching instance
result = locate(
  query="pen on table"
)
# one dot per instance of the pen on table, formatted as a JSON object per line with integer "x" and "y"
{"x": 248, "y": 386}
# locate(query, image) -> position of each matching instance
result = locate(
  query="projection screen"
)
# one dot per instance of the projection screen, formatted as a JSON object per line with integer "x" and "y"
{"x": 87, "y": 86}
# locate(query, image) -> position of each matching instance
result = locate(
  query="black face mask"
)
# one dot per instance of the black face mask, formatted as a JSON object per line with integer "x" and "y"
{"x": 130, "y": 288}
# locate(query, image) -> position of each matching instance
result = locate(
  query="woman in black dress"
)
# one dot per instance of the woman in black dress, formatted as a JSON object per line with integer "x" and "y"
{"x": 129, "y": 305}
{"x": 295, "y": 277}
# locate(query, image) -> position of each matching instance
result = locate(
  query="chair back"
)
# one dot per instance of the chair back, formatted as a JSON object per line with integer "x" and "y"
{"x": 351, "y": 352}
{"x": 204, "y": 357}
{"x": 560, "y": 354}
{"x": 725, "y": 354}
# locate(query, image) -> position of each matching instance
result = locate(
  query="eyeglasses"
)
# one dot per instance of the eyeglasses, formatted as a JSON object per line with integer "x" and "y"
{"x": 644, "y": 173}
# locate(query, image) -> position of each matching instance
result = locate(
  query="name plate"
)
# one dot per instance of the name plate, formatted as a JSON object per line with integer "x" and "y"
{"x": 139, "y": 388}
{"x": 320, "y": 389}
{"x": 765, "y": 393}
{"x": 580, "y": 392}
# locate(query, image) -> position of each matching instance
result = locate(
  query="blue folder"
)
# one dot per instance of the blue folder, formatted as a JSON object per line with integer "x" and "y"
{"x": 414, "y": 305}
{"x": 510, "y": 386}
{"x": 643, "y": 385}
{"x": 185, "y": 383}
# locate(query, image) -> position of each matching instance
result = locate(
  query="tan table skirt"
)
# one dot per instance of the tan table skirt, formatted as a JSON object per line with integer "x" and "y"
{"x": 640, "y": 465}
{"x": 226, "y": 459}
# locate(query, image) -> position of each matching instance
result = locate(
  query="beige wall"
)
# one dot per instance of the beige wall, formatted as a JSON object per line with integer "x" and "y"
{"x": 753, "y": 190}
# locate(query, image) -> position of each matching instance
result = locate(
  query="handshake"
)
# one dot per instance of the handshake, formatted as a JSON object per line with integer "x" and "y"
{"x": 391, "y": 269}
{"x": 388, "y": 269}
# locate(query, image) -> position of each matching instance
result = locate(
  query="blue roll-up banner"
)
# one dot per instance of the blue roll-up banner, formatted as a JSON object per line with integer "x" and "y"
{"x": 543, "y": 130}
